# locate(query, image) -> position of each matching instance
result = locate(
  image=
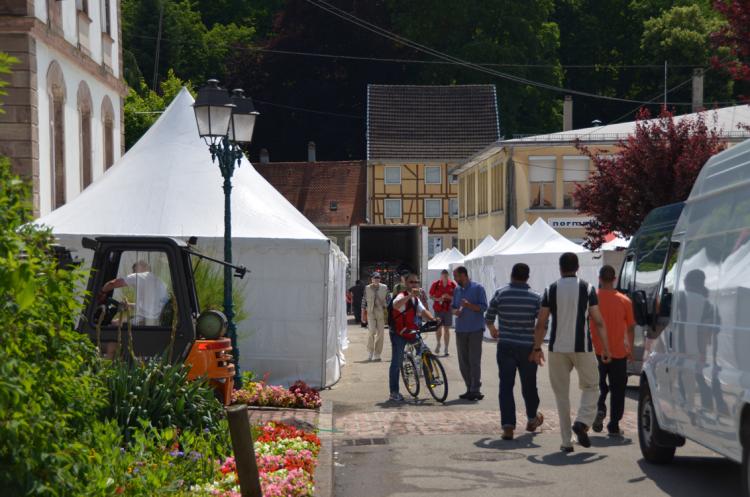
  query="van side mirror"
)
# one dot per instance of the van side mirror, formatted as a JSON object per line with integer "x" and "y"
{"x": 640, "y": 308}
{"x": 665, "y": 306}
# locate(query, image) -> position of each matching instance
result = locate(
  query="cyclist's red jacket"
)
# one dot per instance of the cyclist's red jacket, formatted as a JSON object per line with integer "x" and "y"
{"x": 405, "y": 321}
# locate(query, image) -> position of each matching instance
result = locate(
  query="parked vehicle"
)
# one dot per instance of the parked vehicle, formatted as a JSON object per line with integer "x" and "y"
{"x": 696, "y": 379}
{"x": 642, "y": 270}
{"x": 180, "y": 328}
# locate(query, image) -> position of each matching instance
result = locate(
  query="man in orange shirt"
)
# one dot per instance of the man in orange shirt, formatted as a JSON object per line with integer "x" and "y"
{"x": 617, "y": 311}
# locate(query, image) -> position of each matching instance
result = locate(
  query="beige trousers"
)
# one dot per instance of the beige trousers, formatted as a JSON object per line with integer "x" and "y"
{"x": 560, "y": 366}
{"x": 375, "y": 329}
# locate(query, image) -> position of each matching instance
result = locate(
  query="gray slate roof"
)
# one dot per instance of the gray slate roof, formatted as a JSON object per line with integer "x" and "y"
{"x": 430, "y": 122}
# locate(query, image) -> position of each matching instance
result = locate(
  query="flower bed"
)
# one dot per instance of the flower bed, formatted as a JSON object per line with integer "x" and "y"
{"x": 286, "y": 457}
{"x": 260, "y": 394}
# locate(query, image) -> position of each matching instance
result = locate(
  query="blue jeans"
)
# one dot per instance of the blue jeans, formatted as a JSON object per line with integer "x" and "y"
{"x": 397, "y": 356}
{"x": 512, "y": 358}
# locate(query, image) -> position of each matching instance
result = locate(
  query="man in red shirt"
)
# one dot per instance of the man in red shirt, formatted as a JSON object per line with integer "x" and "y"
{"x": 617, "y": 311}
{"x": 441, "y": 292}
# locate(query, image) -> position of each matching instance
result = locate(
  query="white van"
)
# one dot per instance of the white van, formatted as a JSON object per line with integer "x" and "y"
{"x": 696, "y": 378}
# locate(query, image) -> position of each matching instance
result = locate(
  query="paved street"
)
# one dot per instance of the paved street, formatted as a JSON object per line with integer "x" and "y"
{"x": 424, "y": 448}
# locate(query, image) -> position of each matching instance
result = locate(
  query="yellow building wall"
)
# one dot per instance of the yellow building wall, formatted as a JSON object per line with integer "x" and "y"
{"x": 413, "y": 191}
{"x": 524, "y": 211}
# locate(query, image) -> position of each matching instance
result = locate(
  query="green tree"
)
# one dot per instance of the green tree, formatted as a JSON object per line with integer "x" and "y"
{"x": 143, "y": 106}
{"x": 490, "y": 31}
{"x": 6, "y": 61}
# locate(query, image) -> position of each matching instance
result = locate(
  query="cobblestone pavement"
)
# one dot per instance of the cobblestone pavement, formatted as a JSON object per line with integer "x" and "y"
{"x": 449, "y": 422}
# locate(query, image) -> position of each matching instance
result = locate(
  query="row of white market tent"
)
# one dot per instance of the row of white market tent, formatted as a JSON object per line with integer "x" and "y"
{"x": 166, "y": 185}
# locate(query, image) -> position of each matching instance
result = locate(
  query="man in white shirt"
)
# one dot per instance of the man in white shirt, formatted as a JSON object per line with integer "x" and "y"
{"x": 150, "y": 293}
{"x": 375, "y": 302}
{"x": 570, "y": 301}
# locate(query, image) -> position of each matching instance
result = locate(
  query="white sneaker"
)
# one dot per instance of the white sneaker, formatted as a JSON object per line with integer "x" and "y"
{"x": 375, "y": 357}
{"x": 369, "y": 357}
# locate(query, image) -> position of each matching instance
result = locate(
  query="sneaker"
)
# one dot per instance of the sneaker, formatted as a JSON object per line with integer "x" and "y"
{"x": 507, "y": 433}
{"x": 369, "y": 357}
{"x": 535, "y": 423}
{"x": 396, "y": 397}
{"x": 376, "y": 358}
{"x": 475, "y": 396}
{"x": 437, "y": 349}
{"x": 446, "y": 354}
{"x": 580, "y": 430}
{"x": 566, "y": 449}
{"x": 465, "y": 395}
{"x": 598, "y": 424}
{"x": 615, "y": 432}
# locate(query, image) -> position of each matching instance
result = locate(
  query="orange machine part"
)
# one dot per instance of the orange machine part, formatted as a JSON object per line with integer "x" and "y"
{"x": 213, "y": 359}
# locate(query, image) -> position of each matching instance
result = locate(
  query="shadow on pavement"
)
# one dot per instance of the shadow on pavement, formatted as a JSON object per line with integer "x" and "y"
{"x": 525, "y": 441}
{"x": 695, "y": 476}
{"x": 606, "y": 441}
{"x": 567, "y": 459}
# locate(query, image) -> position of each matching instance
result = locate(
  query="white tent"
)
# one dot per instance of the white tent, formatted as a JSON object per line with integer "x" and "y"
{"x": 441, "y": 261}
{"x": 540, "y": 247}
{"x": 472, "y": 259}
{"x": 167, "y": 185}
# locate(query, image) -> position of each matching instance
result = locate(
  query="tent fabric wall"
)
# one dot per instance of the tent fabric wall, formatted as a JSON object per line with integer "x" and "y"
{"x": 441, "y": 261}
{"x": 167, "y": 186}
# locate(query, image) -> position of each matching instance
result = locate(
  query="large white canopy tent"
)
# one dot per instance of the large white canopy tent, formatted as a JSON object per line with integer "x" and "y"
{"x": 540, "y": 247}
{"x": 472, "y": 259}
{"x": 167, "y": 185}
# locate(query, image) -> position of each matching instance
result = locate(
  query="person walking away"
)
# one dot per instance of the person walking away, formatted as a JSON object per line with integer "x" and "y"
{"x": 469, "y": 304}
{"x": 515, "y": 307}
{"x": 570, "y": 301}
{"x": 441, "y": 292}
{"x": 376, "y": 295}
{"x": 617, "y": 311}
{"x": 357, "y": 292}
{"x": 408, "y": 312}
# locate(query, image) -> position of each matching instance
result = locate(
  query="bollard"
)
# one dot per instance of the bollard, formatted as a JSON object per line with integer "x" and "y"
{"x": 244, "y": 451}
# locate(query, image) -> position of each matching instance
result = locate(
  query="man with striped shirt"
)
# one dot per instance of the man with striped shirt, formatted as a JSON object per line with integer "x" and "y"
{"x": 515, "y": 307}
{"x": 570, "y": 301}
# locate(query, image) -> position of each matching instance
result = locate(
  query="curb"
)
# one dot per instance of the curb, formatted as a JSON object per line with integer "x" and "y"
{"x": 324, "y": 471}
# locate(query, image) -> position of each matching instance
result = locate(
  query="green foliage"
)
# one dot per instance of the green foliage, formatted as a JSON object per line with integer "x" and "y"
{"x": 680, "y": 34}
{"x": 6, "y": 61}
{"x": 209, "y": 286}
{"x": 158, "y": 392}
{"x": 143, "y": 106}
{"x": 49, "y": 387}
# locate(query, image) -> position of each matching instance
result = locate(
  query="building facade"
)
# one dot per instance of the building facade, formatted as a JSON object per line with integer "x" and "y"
{"x": 416, "y": 137}
{"x": 523, "y": 179}
{"x": 63, "y": 121}
{"x": 331, "y": 194}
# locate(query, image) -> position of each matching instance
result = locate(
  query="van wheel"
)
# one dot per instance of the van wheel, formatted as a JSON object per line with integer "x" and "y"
{"x": 649, "y": 431}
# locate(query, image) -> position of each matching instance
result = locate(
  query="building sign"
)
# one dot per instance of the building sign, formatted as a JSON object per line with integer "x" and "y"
{"x": 569, "y": 222}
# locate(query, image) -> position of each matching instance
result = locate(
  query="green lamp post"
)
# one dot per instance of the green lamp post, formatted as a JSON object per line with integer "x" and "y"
{"x": 225, "y": 122}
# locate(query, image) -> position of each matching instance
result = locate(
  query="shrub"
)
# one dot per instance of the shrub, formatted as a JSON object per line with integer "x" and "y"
{"x": 50, "y": 390}
{"x": 158, "y": 392}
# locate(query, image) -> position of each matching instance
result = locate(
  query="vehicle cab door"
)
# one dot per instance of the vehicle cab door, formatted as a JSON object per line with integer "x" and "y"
{"x": 147, "y": 311}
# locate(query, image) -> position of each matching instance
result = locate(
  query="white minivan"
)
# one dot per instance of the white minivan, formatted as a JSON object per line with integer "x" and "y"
{"x": 696, "y": 377}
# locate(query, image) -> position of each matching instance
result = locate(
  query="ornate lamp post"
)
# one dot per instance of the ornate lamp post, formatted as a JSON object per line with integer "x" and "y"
{"x": 224, "y": 122}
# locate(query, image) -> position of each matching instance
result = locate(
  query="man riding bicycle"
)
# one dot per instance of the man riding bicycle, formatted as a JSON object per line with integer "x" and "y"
{"x": 407, "y": 316}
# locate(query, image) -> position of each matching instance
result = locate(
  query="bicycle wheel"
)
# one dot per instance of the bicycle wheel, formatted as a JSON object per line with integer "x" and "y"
{"x": 409, "y": 375}
{"x": 434, "y": 377}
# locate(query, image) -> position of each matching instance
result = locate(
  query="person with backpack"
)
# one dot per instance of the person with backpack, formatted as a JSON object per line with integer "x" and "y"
{"x": 441, "y": 291}
{"x": 405, "y": 314}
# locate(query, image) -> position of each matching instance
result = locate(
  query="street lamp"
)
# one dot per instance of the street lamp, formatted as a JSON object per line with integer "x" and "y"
{"x": 225, "y": 122}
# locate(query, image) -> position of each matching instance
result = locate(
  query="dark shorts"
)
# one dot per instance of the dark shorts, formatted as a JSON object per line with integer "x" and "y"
{"x": 446, "y": 317}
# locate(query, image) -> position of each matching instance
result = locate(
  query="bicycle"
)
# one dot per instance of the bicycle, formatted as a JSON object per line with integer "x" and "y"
{"x": 417, "y": 352}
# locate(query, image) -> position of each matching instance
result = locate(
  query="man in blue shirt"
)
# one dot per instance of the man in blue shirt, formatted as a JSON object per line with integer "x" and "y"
{"x": 469, "y": 305}
{"x": 516, "y": 307}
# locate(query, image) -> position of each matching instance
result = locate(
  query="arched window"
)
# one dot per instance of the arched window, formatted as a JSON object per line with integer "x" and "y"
{"x": 56, "y": 92}
{"x": 108, "y": 123}
{"x": 84, "y": 123}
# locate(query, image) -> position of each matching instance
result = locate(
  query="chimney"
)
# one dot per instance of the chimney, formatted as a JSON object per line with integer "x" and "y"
{"x": 310, "y": 151}
{"x": 568, "y": 113}
{"x": 698, "y": 90}
{"x": 264, "y": 157}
